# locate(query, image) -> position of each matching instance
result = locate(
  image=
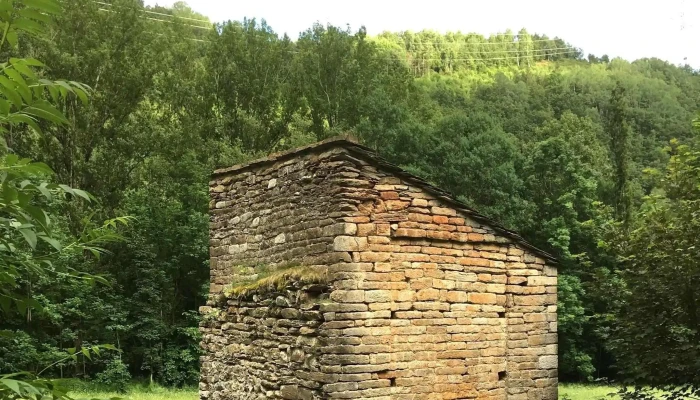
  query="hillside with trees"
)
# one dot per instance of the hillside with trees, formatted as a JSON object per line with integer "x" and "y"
{"x": 592, "y": 158}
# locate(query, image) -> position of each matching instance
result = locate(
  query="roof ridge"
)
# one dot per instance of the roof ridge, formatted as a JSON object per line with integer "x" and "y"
{"x": 347, "y": 139}
{"x": 351, "y": 143}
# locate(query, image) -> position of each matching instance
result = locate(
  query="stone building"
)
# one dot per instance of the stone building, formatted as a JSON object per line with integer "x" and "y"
{"x": 337, "y": 275}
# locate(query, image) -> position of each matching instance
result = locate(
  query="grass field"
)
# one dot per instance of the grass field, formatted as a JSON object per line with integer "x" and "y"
{"x": 574, "y": 392}
{"x": 140, "y": 393}
{"x": 586, "y": 392}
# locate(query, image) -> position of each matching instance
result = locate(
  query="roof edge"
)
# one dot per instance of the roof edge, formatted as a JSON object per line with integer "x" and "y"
{"x": 368, "y": 154}
{"x": 283, "y": 155}
{"x": 371, "y": 156}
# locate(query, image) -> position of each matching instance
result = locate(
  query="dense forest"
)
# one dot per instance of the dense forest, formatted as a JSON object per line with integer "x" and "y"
{"x": 592, "y": 158}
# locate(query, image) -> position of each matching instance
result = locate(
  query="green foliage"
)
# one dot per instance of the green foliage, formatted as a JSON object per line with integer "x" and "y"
{"x": 26, "y": 385}
{"x": 574, "y": 362}
{"x": 658, "y": 337}
{"x": 456, "y": 52}
{"x": 19, "y": 351}
{"x": 30, "y": 242}
{"x": 115, "y": 376}
{"x": 27, "y": 98}
{"x": 617, "y": 128}
{"x": 251, "y": 102}
{"x": 181, "y": 359}
{"x": 338, "y": 72}
{"x": 460, "y": 149}
{"x": 136, "y": 391}
{"x": 518, "y": 126}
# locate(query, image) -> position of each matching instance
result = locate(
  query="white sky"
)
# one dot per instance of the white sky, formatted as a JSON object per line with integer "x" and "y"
{"x": 667, "y": 29}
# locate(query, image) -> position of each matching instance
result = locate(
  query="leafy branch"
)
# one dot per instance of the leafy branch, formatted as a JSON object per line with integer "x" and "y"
{"x": 28, "y": 242}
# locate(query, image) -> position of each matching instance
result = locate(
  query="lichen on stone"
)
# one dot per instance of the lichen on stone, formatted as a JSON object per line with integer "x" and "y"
{"x": 277, "y": 280}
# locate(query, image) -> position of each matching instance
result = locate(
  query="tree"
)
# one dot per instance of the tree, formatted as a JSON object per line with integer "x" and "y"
{"x": 562, "y": 173}
{"x": 530, "y": 144}
{"x": 618, "y": 130}
{"x": 339, "y": 71}
{"x": 248, "y": 92}
{"x": 657, "y": 341}
{"x": 113, "y": 52}
{"x": 163, "y": 277}
{"x": 29, "y": 242}
{"x": 473, "y": 158}
{"x": 525, "y": 47}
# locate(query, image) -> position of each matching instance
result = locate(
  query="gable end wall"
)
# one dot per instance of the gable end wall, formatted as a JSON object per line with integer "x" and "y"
{"x": 422, "y": 302}
{"x": 454, "y": 309}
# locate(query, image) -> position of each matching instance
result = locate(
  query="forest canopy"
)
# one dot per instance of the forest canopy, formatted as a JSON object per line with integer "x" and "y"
{"x": 593, "y": 158}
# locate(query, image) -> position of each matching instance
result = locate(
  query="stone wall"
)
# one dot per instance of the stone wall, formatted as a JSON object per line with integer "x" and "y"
{"x": 427, "y": 299}
{"x": 275, "y": 214}
{"x": 455, "y": 309}
{"x": 263, "y": 346}
{"x": 268, "y": 216}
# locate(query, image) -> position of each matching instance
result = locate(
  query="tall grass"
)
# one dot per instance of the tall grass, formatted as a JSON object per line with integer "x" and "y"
{"x": 135, "y": 392}
{"x": 144, "y": 392}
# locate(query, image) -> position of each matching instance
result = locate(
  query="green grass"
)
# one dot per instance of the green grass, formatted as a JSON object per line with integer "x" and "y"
{"x": 586, "y": 392}
{"x": 573, "y": 391}
{"x": 140, "y": 393}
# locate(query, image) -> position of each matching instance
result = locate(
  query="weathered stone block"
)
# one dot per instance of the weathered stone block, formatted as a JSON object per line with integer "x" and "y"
{"x": 348, "y": 296}
{"x": 281, "y": 238}
{"x": 457, "y": 297}
{"x": 542, "y": 281}
{"x": 349, "y": 243}
{"x": 443, "y": 211}
{"x": 482, "y": 298}
{"x": 294, "y": 392}
{"x": 378, "y": 296}
{"x": 548, "y": 362}
{"x": 406, "y": 232}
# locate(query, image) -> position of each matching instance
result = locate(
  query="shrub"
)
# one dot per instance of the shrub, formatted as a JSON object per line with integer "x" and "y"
{"x": 116, "y": 376}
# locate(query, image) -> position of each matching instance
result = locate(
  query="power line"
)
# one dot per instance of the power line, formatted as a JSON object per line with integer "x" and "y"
{"x": 160, "y": 20}
{"x": 465, "y": 42}
{"x": 162, "y": 14}
{"x": 481, "y": 53}
{"x": 489, "y": 59}
{"x": 445, "y": 43}
{"x": 448, "y": 43}
{"x": 192, "y": 39}
{"x": 409, "y": 58}
{"x": 172, "y": 22}
{"x": 523, "y": 50}
{"x": 478, "y": 56}
{"x": 472, "y": 43}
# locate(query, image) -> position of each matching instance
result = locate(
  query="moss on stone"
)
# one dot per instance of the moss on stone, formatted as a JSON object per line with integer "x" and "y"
{"x": 211, "y": 315}
{"x": 278, "y": 280}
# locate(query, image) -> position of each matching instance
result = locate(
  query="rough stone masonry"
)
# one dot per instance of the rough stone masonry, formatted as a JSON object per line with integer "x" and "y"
{"x": 421, "y": 296}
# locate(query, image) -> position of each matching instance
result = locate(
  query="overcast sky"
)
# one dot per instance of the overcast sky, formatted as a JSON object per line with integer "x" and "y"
{"x": 667, "y": 29}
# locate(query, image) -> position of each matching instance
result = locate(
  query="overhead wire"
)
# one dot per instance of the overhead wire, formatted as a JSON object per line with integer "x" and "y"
{"x": 493, "y": 58}
{"x": 520, "y": 50}
{"x": 160, "y": 20}
{"x": 476, "y": 43}
{"x": 157, "y": 13}
{"x": 478, "y": 55}
{"x": 530, "y": 51}
{"x": 465, "y": 42}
